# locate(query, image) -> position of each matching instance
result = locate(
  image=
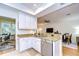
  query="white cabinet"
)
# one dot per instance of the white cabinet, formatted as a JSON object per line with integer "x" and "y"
{"x": 33, "y": 22}
{"x": 24, "y": 43}
{"x": 37, "y": 44}
{"x": 31, "y": 42}
{"x": 27, "y": 21}
{"x": 22, "y": 20}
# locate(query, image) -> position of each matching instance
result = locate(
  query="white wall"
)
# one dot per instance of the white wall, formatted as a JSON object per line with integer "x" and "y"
{"x": 7, "y": 12}
{"x": 66, "y": 25}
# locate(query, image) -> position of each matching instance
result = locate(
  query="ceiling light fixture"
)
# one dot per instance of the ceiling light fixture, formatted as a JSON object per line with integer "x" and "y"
{"x": 34, "y": 5}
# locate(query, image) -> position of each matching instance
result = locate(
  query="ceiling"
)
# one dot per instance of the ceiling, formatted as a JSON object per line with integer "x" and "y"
{"x": 34, "y": 6}
{"x": 70, "y": 10}
{"x": 37, "y": 9}
{"x": 31, "y": 8}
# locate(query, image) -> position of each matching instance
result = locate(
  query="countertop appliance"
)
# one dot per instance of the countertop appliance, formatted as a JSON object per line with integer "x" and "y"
{"x": 49, "y": 30}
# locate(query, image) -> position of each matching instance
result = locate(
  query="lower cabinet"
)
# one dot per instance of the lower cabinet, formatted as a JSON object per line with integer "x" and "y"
{"x": 26, "y": 43}
{"x": 37, "y": 44}
{"x": 47, "y": 48}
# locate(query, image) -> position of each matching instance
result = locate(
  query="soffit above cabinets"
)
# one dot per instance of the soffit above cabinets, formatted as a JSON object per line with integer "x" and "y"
{"x": 38, "y": 9}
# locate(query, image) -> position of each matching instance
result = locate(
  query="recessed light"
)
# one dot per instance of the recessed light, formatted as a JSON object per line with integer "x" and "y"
{"x": 34, "y": 5}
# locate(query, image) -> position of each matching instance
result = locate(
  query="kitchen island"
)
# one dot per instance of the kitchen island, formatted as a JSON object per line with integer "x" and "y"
{"x": 51, "y": 47}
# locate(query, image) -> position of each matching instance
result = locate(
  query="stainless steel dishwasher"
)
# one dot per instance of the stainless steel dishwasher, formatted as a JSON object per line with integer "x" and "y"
{"x": 47, "y": 47}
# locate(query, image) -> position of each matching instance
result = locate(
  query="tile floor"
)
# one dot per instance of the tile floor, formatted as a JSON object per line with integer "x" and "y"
{"x": 30, "y": 52}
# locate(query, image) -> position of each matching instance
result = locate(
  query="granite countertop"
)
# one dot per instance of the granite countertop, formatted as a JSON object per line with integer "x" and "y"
{"x": 24, "y": 35}
{"x": 50, "y": 38}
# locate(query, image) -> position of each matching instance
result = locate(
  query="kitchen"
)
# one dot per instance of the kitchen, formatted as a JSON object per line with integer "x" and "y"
{"x": 44, "y": 43}
{"x": 27, "y": 32}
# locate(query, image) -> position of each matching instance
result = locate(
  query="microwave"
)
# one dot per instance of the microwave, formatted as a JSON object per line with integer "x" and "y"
{"x": 49, "y": 30}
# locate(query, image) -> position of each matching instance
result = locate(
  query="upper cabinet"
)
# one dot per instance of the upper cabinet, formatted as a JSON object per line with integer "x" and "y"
{"x": 27, "y": 21}
{"x": 33, "y": 22}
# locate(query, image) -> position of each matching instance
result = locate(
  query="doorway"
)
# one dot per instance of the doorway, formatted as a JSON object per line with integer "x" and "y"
{"x": 7, "y": 34}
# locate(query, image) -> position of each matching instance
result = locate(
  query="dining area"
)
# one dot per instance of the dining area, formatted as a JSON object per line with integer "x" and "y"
{"x": 7, "y": 33}
{"x": 7, "y": 41}
{"x": 67, "y": 38}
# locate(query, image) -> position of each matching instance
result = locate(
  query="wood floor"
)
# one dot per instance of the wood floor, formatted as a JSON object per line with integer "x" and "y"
{"x": 70, "y": 52}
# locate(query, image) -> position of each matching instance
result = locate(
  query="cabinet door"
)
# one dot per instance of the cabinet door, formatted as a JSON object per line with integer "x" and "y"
{"x": 34, "y": 43}
{"x": 29, "y": 42}
{"x": 28, "y": 19}
{"x": 47, "y": 49}
{"x": 24, "y": 44}
{"x": 33, "y": 22}
{"x": 37, "y": 44}
{"x": 22, "y": 20}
